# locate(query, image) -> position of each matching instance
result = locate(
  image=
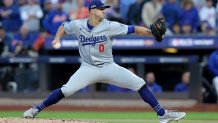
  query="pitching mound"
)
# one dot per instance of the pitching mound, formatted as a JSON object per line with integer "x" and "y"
{"x": 37, "y": 120}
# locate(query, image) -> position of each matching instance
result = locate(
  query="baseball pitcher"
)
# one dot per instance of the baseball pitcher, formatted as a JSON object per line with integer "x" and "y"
{"x": 95, "y": 48}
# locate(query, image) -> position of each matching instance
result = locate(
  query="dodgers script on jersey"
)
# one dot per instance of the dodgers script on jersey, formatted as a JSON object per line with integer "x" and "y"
{"x": 95, "y": 46}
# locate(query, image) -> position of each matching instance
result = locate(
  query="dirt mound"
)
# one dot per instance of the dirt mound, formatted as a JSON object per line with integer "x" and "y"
{"x": 37, "y": 120}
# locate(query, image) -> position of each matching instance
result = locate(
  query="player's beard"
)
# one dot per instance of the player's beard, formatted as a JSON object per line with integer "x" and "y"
{"x": 97, "y": 20}
{"x": 100, "y": 17}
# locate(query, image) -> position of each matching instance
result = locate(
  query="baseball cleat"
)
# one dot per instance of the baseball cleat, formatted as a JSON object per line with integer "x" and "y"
{"x": 171, "y": 116}
{"x": 30, "y": 113}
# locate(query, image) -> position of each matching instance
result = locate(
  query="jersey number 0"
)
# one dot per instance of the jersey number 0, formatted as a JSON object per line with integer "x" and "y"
{"x": 101, "y": 48}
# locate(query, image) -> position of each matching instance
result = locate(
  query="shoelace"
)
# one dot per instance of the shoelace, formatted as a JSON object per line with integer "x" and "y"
{"x": 34, "y": 108}
{"x": 173, "y": 113}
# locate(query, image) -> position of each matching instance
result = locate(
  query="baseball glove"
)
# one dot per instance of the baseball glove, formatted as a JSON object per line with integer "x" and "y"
{"x": 158, "y": 29}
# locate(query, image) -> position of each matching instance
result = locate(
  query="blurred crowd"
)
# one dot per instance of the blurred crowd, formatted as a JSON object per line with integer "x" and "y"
{"x": 24, "y": 24}
{"x": 155, "y": 87}
{"x": 182, "y": 16}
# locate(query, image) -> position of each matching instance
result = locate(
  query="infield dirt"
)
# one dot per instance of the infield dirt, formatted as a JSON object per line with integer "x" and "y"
{"x": 37, "y": 120}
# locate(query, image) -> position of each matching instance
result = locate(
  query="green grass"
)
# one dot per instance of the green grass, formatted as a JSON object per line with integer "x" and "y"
{"x": 119, "y": 117}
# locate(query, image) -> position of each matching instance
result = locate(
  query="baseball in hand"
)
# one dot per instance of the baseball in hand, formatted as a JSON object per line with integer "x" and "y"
{"x": 57, "y": 45}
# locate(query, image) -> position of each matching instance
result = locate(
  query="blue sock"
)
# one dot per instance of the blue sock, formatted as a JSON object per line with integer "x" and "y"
{"x": 54, "y": 97}
{"x": 148, "y": 97}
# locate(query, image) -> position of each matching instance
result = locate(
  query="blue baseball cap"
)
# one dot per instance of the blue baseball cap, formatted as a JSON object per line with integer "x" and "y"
{"x": 97, "y": 4}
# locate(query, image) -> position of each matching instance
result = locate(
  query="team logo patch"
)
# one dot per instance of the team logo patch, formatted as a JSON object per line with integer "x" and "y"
{"x": 93, "y": 6}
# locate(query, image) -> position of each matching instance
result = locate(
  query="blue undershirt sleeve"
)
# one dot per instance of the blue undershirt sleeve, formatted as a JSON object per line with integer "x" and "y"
{"x": 131, "y": 29}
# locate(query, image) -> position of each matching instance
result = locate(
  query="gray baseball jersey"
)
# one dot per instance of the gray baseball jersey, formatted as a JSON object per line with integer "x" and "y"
{"x": 95, "y": 47}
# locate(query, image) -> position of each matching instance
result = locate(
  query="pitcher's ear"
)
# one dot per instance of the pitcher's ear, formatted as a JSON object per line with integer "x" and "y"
{"x": 92, "y": 11}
